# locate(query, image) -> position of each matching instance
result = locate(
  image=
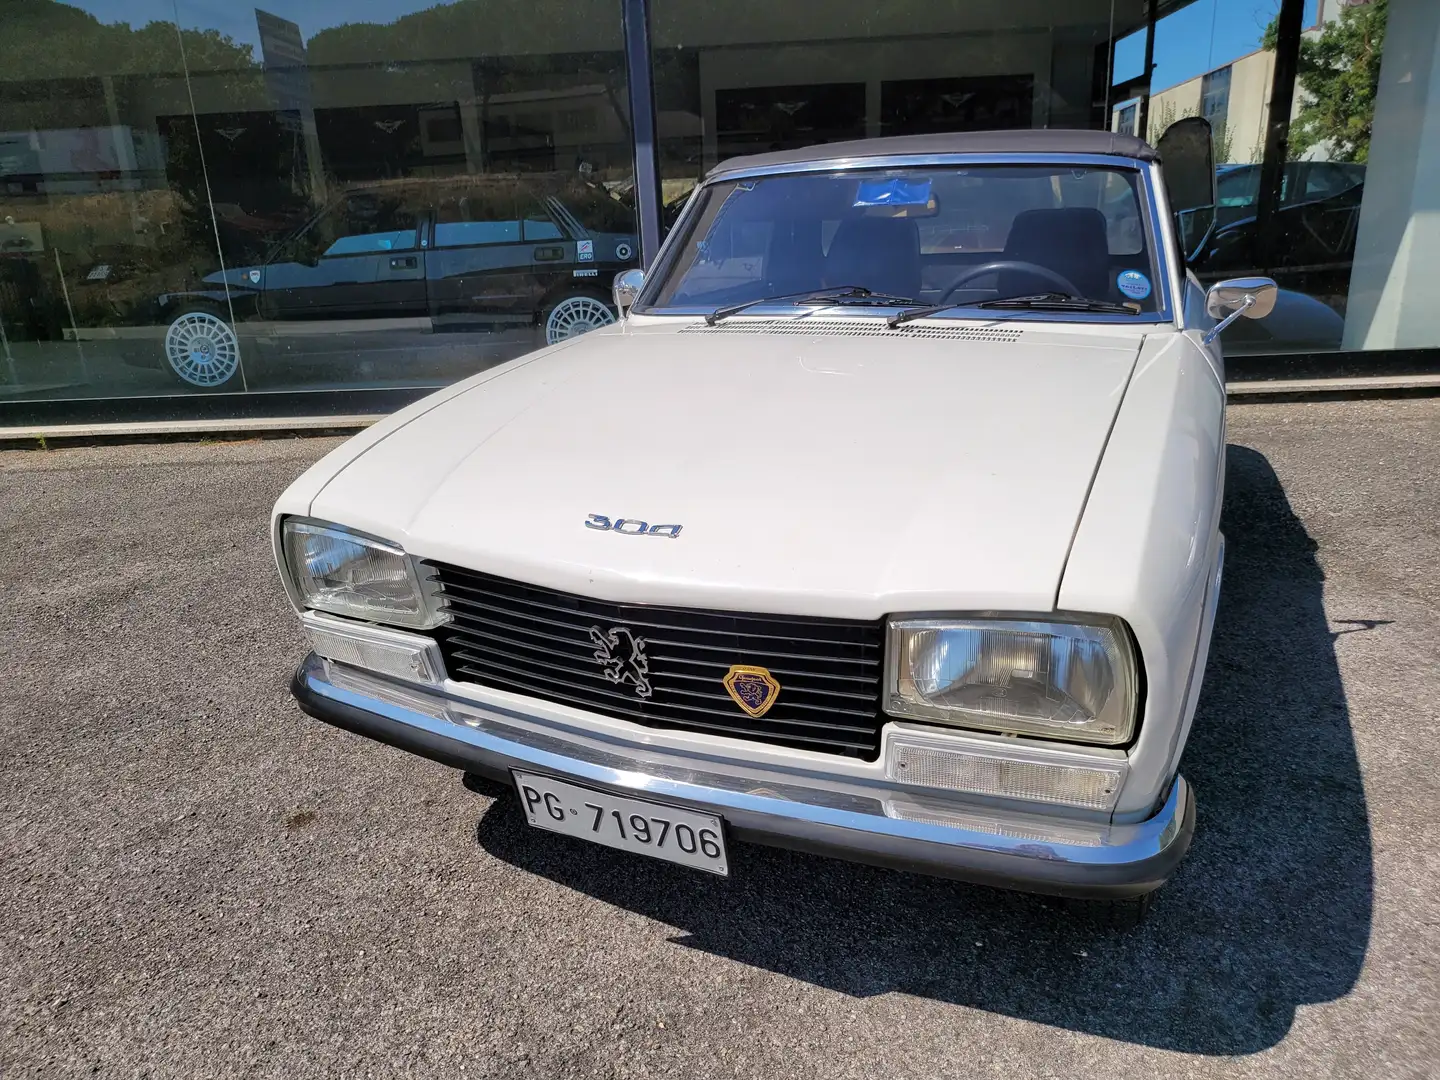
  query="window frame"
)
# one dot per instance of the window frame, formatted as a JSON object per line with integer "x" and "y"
{"x": 1158, "y": 235}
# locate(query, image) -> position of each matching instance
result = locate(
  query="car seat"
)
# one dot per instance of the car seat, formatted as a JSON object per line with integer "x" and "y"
{"x": 1071, "y": 241}
{"x": 878, "y": 253}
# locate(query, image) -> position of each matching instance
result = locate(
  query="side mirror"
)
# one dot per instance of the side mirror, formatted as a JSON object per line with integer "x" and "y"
{"x": 1187, "y": 158}
{"x": 626, "y": 288}
{"x": 1252, "y": 297}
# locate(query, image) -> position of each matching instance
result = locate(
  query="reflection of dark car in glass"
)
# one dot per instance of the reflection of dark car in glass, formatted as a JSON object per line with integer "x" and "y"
{"x": 1316, "y": 222}
{"x": 447, "y": 254}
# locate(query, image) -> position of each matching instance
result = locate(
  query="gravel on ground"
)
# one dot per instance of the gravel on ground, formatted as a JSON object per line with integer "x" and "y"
{"x": 198, "y": 880}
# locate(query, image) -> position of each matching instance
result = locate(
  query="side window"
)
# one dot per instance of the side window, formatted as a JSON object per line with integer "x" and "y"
{"x": 360, "y": 223}
{"x": 363, "y": 223}
{"x": 1326, "y": 179}
{"x": 1238, "y": 185}
{"x": 598, "y": 210}
{"x": 538, "y": 225}
{"x": 475, "y": 217}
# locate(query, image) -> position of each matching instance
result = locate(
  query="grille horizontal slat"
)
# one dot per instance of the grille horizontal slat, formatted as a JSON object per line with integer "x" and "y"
{"x": 536, "y": 641}
{"x": 497, "y": 633}
{"x": 458, "y": 597}
{"x": 549, "y": 664}
{"x": 807, "y": 742}
{"x": 581, "y": 677}
{"x": 623, "y": 698}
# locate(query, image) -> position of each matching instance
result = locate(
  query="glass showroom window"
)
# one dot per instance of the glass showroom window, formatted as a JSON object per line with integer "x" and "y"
{"x": 1347, "y": 234}
{"x": 752, "y": 77}
{"x": 248, "y": 202}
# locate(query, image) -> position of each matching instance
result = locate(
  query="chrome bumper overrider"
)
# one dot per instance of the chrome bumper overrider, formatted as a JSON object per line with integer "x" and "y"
{"x": 839, "y": 816}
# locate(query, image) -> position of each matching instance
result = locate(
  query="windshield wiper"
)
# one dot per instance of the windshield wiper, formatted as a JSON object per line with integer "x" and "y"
{"x": 1051, "y": 301}
{"x": 843, "y": 294}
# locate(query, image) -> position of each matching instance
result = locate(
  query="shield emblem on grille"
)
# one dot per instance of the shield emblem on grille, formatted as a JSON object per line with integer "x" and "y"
{"x": 753, "y": 688}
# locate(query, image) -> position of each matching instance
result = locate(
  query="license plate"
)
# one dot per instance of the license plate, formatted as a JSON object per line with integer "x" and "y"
{"x": 662, "y": 832}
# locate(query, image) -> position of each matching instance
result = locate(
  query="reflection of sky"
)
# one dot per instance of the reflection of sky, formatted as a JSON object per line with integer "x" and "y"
{"x": 1205, "y": 35}
{"x": 238, "y": 20}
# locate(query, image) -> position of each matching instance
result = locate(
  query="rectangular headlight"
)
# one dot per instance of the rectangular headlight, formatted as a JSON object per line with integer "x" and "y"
{"x": 1056, "y": 680}
{"x": 333, "y": 569}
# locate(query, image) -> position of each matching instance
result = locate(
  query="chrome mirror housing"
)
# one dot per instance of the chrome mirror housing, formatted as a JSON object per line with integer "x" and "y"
{"x": 1252, "y": 297}
{"x": 626, "y": 288}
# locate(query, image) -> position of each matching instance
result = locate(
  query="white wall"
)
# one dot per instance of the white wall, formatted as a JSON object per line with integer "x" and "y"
{"x": 1393, "y": 290}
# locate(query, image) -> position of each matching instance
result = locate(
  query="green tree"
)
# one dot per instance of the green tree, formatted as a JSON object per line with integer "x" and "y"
{"x": 1339, "y": 75}
{"x": 45, "y": 40}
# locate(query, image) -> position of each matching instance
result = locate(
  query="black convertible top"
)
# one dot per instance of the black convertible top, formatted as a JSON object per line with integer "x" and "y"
{"x": 1036, "y": 141}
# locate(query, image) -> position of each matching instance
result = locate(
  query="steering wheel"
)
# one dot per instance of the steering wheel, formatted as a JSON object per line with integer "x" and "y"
{"x": 1064, "y": 283}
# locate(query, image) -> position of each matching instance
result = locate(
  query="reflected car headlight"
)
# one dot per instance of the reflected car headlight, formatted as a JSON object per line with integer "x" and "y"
{"x": 345, "y": 573}
{"x": 1057, "y": 680}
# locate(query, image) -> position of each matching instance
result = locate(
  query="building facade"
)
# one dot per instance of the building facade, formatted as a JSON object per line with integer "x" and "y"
{"x": 206, "y": 208}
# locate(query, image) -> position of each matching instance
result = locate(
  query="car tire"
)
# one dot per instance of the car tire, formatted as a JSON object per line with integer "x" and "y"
{"x": 202, "y": 350}
{"x": 576, "y": 313}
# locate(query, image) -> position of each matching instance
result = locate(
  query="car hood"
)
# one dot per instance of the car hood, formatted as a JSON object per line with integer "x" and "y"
{"x": 817, "y": 474}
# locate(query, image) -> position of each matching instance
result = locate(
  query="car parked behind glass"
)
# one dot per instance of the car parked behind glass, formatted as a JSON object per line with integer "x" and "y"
{"x": 454, "y": 253}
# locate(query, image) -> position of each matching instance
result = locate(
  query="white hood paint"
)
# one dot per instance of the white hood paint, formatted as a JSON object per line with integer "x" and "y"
{"x": 841, "y": 476}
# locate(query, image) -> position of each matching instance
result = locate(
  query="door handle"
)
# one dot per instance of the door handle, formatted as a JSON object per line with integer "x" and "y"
{"x": 549, "y": 254}
{"x": 404, "y": 262}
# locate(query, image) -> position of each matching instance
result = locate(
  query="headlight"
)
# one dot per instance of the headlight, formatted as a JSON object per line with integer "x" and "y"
{"x": 1071, "y": 681}
{"x": 333, "y": 569}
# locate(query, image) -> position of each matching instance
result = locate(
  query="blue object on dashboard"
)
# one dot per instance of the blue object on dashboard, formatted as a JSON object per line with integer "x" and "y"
{"x": 895, "y": 191}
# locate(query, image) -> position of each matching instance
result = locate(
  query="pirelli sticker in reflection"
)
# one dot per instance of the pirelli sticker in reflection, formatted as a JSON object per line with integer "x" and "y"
{"x": 754, "y": 689}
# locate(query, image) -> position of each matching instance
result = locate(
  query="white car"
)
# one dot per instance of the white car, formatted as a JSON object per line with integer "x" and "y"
{"x": 884, "y": 525}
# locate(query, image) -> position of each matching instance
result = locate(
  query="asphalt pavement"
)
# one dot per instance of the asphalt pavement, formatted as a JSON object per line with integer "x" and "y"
{"x": 198, "y": 880}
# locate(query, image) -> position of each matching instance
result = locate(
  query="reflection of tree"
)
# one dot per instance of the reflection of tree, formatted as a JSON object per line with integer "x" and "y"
{"x": 44, "y": 39}
{"x": 1340, "y": 74}
{"x": 1165, "y": 114}
{"x": 473, "y": 28}
{"x": 507, "y": 47}
{"x": 62, "y": 68}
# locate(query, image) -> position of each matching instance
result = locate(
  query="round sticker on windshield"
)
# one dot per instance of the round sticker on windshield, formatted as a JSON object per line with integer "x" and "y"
{"x": 1133, "y": 284}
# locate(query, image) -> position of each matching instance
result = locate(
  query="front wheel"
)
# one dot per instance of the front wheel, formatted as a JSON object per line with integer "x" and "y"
{"x": 576, "y": 314}
{"x": 201, "y": 349}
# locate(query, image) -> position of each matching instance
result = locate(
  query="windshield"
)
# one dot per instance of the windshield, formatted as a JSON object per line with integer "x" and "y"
{"x": 957, "y": 235}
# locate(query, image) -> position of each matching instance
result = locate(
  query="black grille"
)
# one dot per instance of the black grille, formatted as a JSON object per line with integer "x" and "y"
{"x": 537, "y": 641}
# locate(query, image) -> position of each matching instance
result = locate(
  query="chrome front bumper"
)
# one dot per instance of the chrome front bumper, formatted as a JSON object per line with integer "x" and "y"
{"x": 841, "y": 817}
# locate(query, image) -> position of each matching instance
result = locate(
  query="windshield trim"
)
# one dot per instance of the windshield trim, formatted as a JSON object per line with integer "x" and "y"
{"x": 963, "y": 314}
{"x": 1146, "y": 178}
{"x": 900, "y": 161}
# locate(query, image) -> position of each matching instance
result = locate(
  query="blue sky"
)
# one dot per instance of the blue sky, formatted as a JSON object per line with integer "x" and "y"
{"x": 1207, "y": 34}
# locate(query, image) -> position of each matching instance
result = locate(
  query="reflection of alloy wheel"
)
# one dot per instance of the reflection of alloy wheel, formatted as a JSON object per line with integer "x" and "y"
{"x": 575, "y": 315}
{"x": 202, "y": 349}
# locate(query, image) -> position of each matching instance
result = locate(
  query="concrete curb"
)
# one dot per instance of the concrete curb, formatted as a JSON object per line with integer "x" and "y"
{"x": 42, "y": 436}
{"x": 33, "y": 437}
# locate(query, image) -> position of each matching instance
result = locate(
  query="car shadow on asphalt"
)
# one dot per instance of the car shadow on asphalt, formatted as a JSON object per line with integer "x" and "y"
{"x": 1271, "y": 910}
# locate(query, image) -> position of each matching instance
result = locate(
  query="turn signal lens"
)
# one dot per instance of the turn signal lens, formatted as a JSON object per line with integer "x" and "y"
{"x": 409, "y": 657}
{"x": 1066, "y": 778}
